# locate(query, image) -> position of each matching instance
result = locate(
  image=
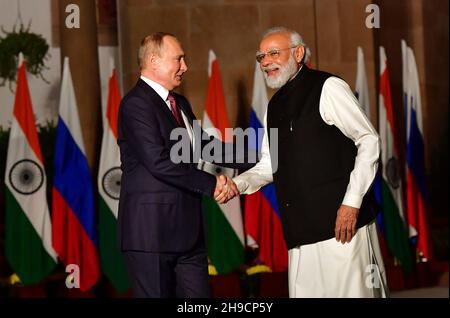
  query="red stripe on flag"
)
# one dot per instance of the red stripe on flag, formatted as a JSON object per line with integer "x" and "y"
{"x": 23, "y": 111}
{"x": 72, "y": 244}
{"x": 264, "y": 226}
{"x": 416, "y": 214}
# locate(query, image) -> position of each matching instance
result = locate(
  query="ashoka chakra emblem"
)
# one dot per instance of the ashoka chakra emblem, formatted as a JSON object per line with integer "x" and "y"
{"x": 111, "y": 182}
{"x": 393, "y": 172}
{"x": 26, "y": 176}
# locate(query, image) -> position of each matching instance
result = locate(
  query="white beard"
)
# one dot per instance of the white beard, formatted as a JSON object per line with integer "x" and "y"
{"x": 285, "y": 73}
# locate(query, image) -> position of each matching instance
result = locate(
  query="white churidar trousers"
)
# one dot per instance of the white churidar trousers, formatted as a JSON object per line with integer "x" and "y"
{"x": 332, "y": 269}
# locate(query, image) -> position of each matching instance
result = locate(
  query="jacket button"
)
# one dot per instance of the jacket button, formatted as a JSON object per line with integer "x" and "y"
{"x": 287, "y": 204}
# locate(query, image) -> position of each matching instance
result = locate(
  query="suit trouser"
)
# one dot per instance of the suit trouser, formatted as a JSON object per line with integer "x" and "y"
{"x": 161, "y": 275}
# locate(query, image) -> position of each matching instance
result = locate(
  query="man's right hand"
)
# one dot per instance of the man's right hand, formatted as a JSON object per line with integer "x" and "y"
{"x": 225, "y": 190}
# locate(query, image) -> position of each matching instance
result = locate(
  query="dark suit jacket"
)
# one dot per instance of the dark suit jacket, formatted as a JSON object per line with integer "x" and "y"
{"x": 160, "y": 201}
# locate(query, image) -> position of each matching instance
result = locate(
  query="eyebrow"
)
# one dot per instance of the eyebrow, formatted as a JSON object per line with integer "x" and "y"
{"x": 270, "y": 49}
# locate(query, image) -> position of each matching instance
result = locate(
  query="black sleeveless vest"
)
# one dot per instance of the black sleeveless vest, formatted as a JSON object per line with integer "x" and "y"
{"x": 314, "y": 162}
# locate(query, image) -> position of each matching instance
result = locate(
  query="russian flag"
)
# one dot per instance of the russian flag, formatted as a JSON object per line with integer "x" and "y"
{"x": 262, "y": 216}
{"x": 417, "y": 201}
{"x": 73, "y": 218}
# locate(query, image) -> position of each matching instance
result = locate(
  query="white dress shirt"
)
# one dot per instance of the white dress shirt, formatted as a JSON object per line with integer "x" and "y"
{"x": 339, "y": 107}
{"x": 164, "y": 94}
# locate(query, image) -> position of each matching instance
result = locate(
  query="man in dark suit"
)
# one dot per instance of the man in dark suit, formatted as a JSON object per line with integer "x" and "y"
{"x": 160, "y": 221}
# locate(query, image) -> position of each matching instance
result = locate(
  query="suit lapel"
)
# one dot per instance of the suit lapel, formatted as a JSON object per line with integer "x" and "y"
{"x": 185, "y": 109}
{"x": 157, "y": 101}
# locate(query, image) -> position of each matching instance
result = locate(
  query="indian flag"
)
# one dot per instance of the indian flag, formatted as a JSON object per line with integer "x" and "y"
{"x": 109, "y": 176}
{"x": 28, "y": 239}
{"x": 394, "y": 225}
{"x": 225, "y": 228}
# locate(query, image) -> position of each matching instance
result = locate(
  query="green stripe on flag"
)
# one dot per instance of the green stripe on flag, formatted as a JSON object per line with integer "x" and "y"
{"x": 225, "y": 250}
{"x": 23, "y": 245}
{"x": 395, "y": 231}
{"x": 111, "y": 258}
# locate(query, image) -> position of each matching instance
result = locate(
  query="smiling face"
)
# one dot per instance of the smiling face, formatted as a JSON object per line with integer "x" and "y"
{"x": 282, "y": 62}
{"x": 169, "y": 66}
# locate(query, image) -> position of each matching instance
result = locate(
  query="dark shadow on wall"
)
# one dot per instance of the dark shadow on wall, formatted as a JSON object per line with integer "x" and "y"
{"x": 436, "y": 51}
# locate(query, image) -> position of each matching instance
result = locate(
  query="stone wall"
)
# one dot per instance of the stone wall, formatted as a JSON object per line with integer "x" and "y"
{"x": 331, "y": 28}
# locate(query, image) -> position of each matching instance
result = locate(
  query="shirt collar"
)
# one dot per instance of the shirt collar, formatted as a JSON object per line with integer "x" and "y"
{"x": 159, "y": 89}
{"x": 296, "y": 73}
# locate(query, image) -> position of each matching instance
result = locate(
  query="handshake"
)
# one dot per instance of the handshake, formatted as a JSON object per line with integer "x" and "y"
{"x": 225, "y": 190}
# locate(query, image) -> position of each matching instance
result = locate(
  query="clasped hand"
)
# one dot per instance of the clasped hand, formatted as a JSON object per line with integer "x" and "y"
{"x": 225, "y": 190}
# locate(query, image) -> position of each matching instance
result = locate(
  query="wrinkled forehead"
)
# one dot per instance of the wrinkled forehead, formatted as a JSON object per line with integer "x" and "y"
{"x": 275, "y": 41}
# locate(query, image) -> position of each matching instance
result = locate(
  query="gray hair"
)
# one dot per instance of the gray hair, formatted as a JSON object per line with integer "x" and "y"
{"x": 151, "y": 44}
{"x": 296, "y": 39}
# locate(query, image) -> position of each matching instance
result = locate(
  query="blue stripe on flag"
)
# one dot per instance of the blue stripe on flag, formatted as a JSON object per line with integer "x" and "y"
{"x": 269, "y": 193}
{"x": 72, "y": 178}
{"x": 415, "y": 154}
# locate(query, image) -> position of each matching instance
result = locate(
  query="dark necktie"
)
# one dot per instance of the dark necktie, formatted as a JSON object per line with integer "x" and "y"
{"x": 175, "y": 110}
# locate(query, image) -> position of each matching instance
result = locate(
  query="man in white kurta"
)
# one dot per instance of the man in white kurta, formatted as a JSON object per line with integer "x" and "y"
{"x": 350, "y": 264}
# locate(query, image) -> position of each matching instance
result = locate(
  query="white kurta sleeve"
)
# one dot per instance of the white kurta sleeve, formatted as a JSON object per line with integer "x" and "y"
{"x": 339, "y": 107}
{"x": 261, "y": 174}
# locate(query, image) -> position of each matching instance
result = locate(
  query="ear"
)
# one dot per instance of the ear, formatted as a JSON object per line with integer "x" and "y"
{"x": 153, "y": 60}
{"x": 299, "y": 53}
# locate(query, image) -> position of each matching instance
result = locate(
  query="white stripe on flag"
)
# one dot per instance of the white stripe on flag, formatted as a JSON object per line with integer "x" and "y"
{"x": 68, "y": 106}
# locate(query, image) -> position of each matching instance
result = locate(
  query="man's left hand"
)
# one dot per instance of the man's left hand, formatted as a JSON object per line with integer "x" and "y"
{"x": 346, "y": 223}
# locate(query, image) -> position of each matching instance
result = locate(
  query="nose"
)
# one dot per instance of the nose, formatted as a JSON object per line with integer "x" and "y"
{"x": 265, "y": 61}
{"x": 184, "y": 67}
